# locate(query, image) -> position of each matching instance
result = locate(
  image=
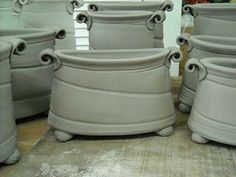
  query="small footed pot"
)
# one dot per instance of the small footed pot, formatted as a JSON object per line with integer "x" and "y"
{"x": 8, "y": 151}
{"x": 208, "y": 18}
{"x": 120, "y": 97}
{"x": 123, "y": 29}
{"x": 201, "y": 46}
{"x": 213, "y": 113}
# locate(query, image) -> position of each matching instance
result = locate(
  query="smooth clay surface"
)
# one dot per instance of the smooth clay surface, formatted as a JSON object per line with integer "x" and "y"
{"x": 111, "y": 92}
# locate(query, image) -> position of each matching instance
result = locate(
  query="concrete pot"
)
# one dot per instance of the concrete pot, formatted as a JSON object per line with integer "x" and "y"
{"x": 8, "y": 18}
{"x": 123, "y": 29}
{"x": 111, "y": 92}
{"x": 8, "y": 151}
{"x": 213, "y": 113}
{"x": 51, "y": 13}
{"x": 218, "y": 19}
{"x": 31, "y": 82}
{"x": 200, "y": 46}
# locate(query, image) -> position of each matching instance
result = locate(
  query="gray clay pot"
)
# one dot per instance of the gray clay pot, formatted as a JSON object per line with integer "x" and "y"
{"x": 201, "y": 46}
{"x": 111, "y": 92}
{"x": 218, "y": 19}
{"x": 123, "y": 29}
{"x": 8, "y": 151}
{"x": 9, "y": 18}
{"x": 31, "y": 82}
{"x": 213, "y": 113}
{"x": 51, "y": 13}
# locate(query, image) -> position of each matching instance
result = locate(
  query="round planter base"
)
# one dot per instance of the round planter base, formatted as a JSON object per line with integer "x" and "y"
{"x": 199, "y": 139}
{"x": 184, "y": 108}
{"x": 166, "y": 131}
{"x": 14, "y": 157}
{"x": 62, "y": 136}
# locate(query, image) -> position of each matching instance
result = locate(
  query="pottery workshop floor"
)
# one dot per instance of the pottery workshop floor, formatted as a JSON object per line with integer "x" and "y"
{"x": 144, "y": 155}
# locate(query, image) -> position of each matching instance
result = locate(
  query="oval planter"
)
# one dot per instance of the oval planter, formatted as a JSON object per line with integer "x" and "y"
{"x": 8, "y": 17}
{"x": 51, "y": 13}
{"x": 213, "y": 113}
{"x": 111, "y": 92}
{"x": 8, "y": 151}
{"x": 123, "y": 29}
{"x": 200, "y": 46}
{"x": 218, "y": 19}
{"x": 31, "y": 98}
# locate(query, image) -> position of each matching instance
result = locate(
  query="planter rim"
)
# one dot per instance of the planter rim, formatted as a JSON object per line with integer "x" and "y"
{"x": 5, "y": 49}
{"x": 111, "y": 60}
{"x": 119, "y": 15}
{"x": 221, "y": 66}
{"x": 30, "y": 35}
{"x": 202, "y": 42}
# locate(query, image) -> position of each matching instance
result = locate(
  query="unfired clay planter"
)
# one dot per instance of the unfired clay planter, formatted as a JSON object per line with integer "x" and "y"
{"x": 51, "y": 13}
{"x": 8, "y": 18}
{"x": 8, "y": 151}
{"x": 123, "y": 29}
{"x": 111, "y": 92}
{"x": 218, "y": 19}
{"x": 31, "y": 82}
{"x": 201, "y": 46}
{"x": 213, "y": 113}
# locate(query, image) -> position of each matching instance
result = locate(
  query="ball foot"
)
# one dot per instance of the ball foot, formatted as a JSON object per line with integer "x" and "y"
{"x": 184, "y": 108}
{"x": 166, "y": 132}
{"x": 62, "y": 136}
{"x": 199, "y": 139}
{"x": 15, "y": 156}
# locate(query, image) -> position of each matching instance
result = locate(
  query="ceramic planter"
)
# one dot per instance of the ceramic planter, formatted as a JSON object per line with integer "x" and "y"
{"x": 201, "y": 46}
{"x": 31, "y": 82}
{"x": 111, "y": 92}
{"x": 213, "y": 113}
{"x": 218, "y": 19}
{"x": 123, "y": 29}
{"x": 8, "y": 151}
{"x": 8, "y": 18}
{"x": 51, "y": 13}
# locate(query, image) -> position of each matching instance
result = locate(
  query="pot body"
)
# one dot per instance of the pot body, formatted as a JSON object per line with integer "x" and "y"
{"x": 7, "y": 121}
{"x": 8, "y": 17}
{"x": 31, "y": 82}
{"x": 51, "y": 13}
{"x": 218, "y": 19}
{"x": 124, "y": 29}
{"x": 136, "y": 6}
{"x": 199, "y": 47}
{"x": 111, "y": 92}
{"x": 210, "y": 117}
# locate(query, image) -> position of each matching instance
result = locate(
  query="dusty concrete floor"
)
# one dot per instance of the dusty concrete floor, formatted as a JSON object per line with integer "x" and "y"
{"x": 144, "y": 155}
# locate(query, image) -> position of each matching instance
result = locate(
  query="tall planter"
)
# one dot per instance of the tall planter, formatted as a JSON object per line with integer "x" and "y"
{"x": 213, "y": 113}
{"x": 8, "y": 151}
{"x": 200, "y": 46}
{"x": 31, "y": 82}
{"x": 218, "y": 19}
{"x": 111, "y": 92}
{"x": 9, "y": 18}
{"x": 51, "y": 13}
{"x": 123, "y": 29}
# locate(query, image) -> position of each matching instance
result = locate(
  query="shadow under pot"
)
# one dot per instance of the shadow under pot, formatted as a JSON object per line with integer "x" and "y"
{"x": 9, "y": 153}
{"x": 31, "y": 81}
{"x": 111, "y": 92}
{"x": 123, "y": 29}
{"x": 200, "y": 46}
{"x": 8, "y": 17}
{"x": 213, "y": 113}
{"x": 50, "y": 13}
{"x": 217, "y": 19}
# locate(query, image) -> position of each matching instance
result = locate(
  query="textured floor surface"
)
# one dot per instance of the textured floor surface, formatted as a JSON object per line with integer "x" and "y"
{"x": 133, "y": 156}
